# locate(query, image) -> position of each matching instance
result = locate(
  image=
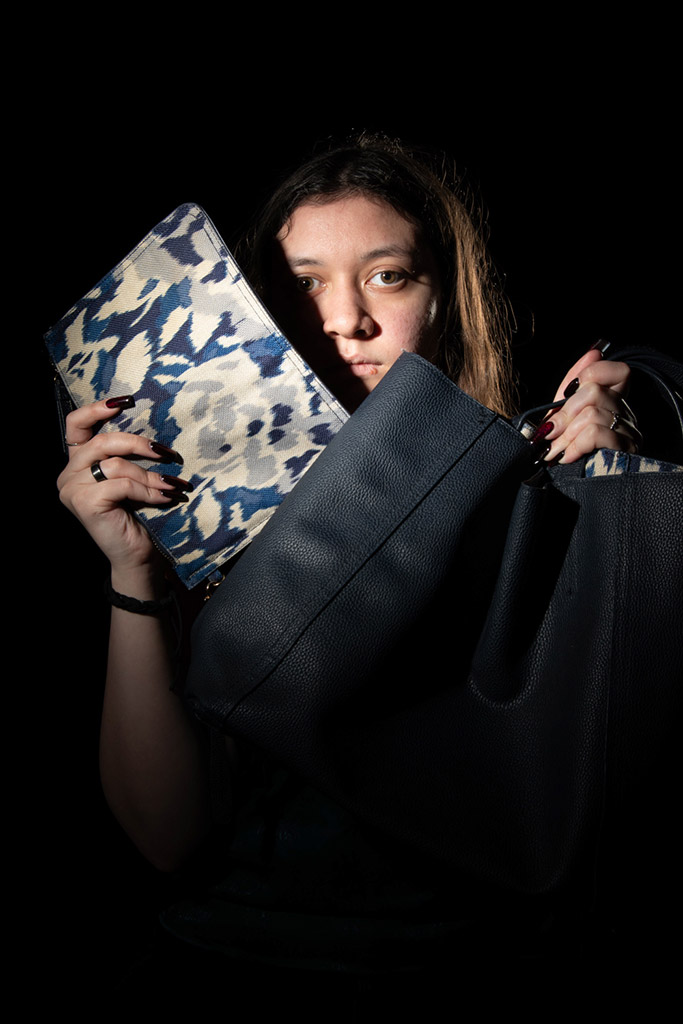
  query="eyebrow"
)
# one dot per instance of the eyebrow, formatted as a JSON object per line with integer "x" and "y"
{"x": 391, "y": 250}
{"x": 372, "y": 254}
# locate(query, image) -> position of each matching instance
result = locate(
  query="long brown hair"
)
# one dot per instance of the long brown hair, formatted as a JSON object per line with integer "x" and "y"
{"x": 474, "y": 345}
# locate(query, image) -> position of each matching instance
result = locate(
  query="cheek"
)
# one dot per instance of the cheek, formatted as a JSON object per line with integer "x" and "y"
{"x": 420, "y": 329}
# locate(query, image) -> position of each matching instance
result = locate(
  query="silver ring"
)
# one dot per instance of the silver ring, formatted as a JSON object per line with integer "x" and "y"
{"x": 72, "y": 444}
{"x": 616, "y": 418}
{"x": 96, "y": 471}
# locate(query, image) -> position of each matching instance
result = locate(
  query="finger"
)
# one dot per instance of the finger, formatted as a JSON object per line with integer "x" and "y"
{"x": 80, "y": 422}
{"x": 607, "y": 374}
{"x": 591, "y": 368}
{"x": 104, "y": 446}
{"x": 91, "y": 502}
{"x": 113, "y": 466}
{"x": 625, "y": 423}
{"x": 119, "y": 468}
{"x": 588, "y": 421}
{"x": 590, "y": 395}
{"x": 594, "y": 427}
{"x": 589, "y": 404}
{"x": 594, "y": 437}
{"x": 590, "y": 358}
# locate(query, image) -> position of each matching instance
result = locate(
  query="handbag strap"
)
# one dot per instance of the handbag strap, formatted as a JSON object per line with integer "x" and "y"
{"x": 664, "y": 370}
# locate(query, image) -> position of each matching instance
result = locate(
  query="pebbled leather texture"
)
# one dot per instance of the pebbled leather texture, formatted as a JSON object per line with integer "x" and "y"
{"x": 464, "y": 660}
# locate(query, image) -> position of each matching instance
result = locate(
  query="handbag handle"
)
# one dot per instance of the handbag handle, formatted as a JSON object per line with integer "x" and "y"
{"x": 666, "y": 372}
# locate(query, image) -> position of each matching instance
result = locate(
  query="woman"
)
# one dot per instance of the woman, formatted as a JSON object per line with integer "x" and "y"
{"x": 361, "y": 254}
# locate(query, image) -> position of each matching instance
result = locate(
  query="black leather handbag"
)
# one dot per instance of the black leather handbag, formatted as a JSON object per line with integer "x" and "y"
{"x": 485, "y": 668}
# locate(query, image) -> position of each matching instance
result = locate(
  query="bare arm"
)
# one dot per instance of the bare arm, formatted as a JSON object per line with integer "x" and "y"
{"x": 153, "y": 772}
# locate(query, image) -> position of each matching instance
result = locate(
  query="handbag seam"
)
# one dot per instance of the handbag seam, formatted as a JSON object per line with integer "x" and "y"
{"x": 273, "y": 659}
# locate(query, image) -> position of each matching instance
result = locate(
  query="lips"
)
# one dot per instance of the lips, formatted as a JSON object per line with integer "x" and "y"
{"x": 363, "y": 369}
{"x": 357, "y": 366}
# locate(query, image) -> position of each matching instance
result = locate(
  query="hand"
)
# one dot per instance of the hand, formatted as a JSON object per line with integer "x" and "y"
{"x": 99, "y": 505}
{"x": 595, "y": 415}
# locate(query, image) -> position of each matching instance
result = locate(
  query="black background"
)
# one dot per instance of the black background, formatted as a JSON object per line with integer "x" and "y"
{"x": 576, "y": 169}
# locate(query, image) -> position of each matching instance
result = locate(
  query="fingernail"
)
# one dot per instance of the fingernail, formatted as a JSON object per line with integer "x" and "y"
{"x": 176, "y": 481}
{"x": 125, "y": 402}
{"x": 168, "y": 453}
{"x": 540, "y": 451}
{"x": 542, "y": 431}
{"x": 571, "y": 388}
{"x": 601, "y": 345}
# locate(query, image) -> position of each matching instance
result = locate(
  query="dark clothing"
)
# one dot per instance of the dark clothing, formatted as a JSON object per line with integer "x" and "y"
{"x": 300, "y": 882}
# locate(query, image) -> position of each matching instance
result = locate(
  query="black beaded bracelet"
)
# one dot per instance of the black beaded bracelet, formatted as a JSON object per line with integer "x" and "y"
{"x": 131, "y": 604}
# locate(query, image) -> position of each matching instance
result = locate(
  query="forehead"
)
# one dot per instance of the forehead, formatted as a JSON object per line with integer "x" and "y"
{"x": 353, "y": 225}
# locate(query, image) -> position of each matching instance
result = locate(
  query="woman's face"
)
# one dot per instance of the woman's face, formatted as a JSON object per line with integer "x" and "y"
{"x": 353, "y": 285}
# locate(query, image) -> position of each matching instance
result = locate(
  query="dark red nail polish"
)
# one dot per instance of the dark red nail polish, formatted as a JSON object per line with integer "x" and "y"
{"x": 540, "y": 451}
{"x": 125, "y": 402}
{"x": 176, "y": 481}
{"x": 167, "y": 453}
{"x": 571, "y": 388}
{"x": 542, "y": 431}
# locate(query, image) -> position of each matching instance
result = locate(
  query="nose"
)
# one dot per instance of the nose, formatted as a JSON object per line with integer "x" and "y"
{"x": 346, "y": 315}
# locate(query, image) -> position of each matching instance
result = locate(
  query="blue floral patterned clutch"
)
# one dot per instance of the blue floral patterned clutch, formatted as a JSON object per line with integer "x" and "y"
{"x": 176, "y": 325}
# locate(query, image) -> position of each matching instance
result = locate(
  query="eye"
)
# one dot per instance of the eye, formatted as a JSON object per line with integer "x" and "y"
{"x": 388, "y": 277}
{"x": 307, "y": 284}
